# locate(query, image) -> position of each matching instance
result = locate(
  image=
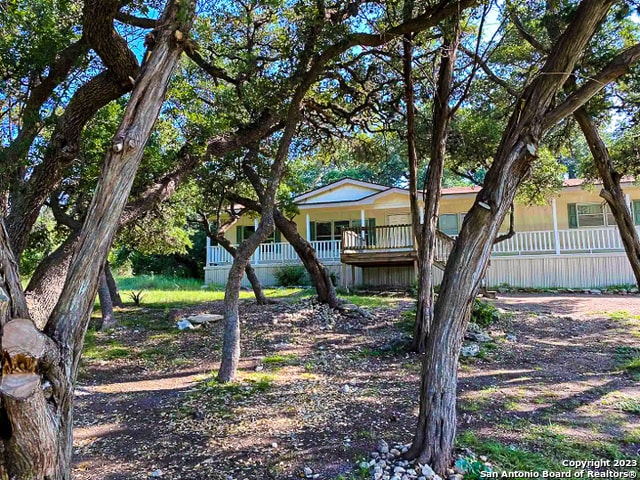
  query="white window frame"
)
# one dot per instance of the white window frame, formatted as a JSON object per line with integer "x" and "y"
{"x": 606, "y": 211}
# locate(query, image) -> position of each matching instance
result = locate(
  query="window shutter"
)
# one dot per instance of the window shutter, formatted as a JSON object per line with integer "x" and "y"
{"x": 312, "y": 233}
{"x": 573, "y": 215}
{"x": 277, "y": 237}
{"x": 239, "y": 235}
{"x": 636, "y": 212}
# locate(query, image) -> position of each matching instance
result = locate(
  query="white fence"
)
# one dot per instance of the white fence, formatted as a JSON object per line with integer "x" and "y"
{"x": 270, "y": 253}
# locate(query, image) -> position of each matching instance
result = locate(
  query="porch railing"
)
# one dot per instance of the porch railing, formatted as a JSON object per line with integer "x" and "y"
{"x": 385, "y": 237}
{"x": 400, "y": 237}
{"x": 579, "y": 240}
{"x": 273, "y": 253}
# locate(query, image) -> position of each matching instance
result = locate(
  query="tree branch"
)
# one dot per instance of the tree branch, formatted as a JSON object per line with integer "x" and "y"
{"x": 615, "y": 69}
{"x": 483, "y": 64}
{"x": 134, "y": 21}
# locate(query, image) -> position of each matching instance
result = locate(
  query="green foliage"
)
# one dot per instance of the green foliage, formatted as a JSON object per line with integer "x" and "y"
{"x": 472, "y": 468}
{"x": 484, "y": 314}
{"x": 44, "y": 239}
{"x": 291, "y": 276}
{"x": 136, "y": 298}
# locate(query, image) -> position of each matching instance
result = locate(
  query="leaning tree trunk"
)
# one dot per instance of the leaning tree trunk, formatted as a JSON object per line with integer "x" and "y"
{"x": 39, "y": 368}
{"x": 319, "y": 274}
{"x": 114, "y": 291}
{"x": 47, "y": 281}
{"x": 612, "y": 191}
{"x": 107, "y": 319}
{"x": 433, "y": 441}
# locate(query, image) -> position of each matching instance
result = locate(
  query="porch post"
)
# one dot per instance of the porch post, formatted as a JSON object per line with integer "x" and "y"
{"x": 256, "y": 255}
{"x": 363, "y": 220}
{"x": 628, "y": 198}
{"x": 308, "y": 236}
{"x": 421, "y": 215}
{"x": 208, "y": 251}
{"x": 556, "y": 234}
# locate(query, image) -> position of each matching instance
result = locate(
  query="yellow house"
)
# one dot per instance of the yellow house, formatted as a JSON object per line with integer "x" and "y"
{"x": 572, "y": 241}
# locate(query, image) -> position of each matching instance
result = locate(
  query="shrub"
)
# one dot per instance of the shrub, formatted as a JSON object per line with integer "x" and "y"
{"x": 484, "y": 314}
{"x": 291, "y": 276}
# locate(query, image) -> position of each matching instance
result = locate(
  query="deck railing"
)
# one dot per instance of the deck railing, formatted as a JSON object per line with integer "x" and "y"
{"x": 385, "y": 237}
{"x": 273, "y": 253}
{"x": 400, "y": 238}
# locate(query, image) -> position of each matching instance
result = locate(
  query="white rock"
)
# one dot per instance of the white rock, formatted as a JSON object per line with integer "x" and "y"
{"x": 185, "y": 325}
{"x": 382, "y": 447}
{"x": 156, "y": 473}
{"x": 470, "y": 350}
{"x": 395, "y": 452}
{"x": 427, "y": 471}
{"x": 204, "y": 318}
{"x": 308, "y": 472}
{"x": 345, "y": 389}
{"x": 274, "y": 445}
{"x": 349, "y": 307}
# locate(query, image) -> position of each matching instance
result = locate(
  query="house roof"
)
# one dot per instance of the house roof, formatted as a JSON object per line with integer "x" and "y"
{"x": 370, "y": 192}
{"x": 337, "y": 184}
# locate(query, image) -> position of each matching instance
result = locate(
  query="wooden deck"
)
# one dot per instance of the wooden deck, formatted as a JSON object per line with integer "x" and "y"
{"x": 379, "y": 257}
{"x": 387, "y": 246}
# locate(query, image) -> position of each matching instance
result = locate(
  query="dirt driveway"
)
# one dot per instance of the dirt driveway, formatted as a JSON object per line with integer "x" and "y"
{"x": 318, "y": 389}
{"x": 569, "y": 304}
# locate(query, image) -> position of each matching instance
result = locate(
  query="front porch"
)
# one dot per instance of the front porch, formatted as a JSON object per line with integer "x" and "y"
{"x": 385, "y": 255}
{"x": 394, "y": 244}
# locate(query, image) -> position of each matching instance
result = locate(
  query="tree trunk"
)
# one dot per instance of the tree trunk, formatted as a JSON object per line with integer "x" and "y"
{"x": 114, "y": 291}
{"x": 433, "y": 441}
{"x": 256, "y": 286}
{"x": 433, "y": 185}
{"x": 46, "y": 283}
{"x": 40, "y": 442}
{"x": 107, "y": 319}
{"x": 231, "y": 338}
{"x": 612, "y": 191}
{"x": 319, "y": 274}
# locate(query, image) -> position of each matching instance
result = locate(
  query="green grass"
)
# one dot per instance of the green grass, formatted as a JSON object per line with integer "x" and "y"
{"x": 171, "y": 292}
{"x": 110, "y": 351}
{"x": 628, "y": 360}
{"x": 545, "y": 449}
{"x": 371, "y": 301}
{"x": 288, "y": 359}
{"x": 629, "y": 405}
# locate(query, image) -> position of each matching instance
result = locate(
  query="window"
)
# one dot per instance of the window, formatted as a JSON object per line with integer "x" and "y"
{"x": 449, "y": 223}
{"x": 585, "y": 215}
{"x": 338, "y": 226}
{"x": 323, "y": 230}
{"x": 636, "y": 212}
{"x": 244, "y": 232}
